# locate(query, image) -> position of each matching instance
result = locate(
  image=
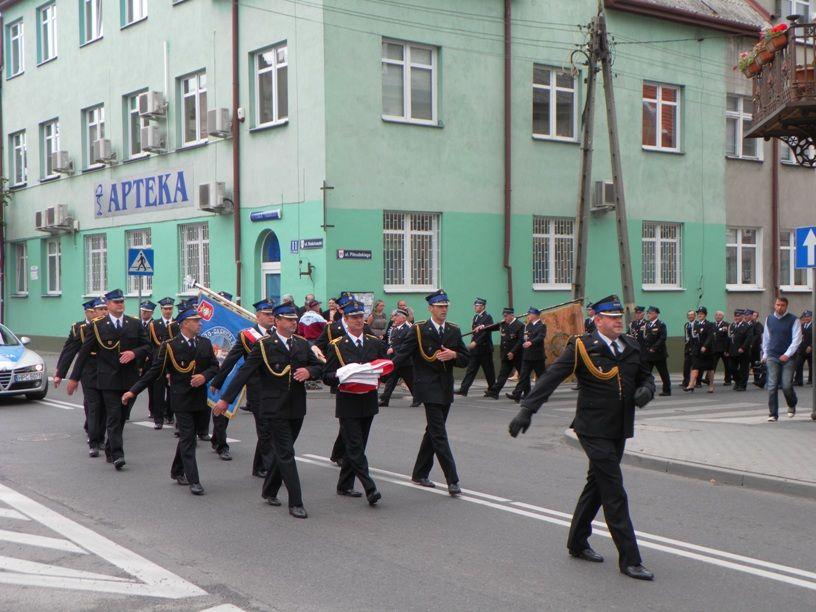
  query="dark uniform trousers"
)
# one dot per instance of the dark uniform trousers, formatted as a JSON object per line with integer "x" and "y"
{"x": 189, "y": 424}
{"x": 484, "y": 361}
{"x": 663, "y": 370}
{"x": 740, "y": 367}
{"x": 355, "y": 437}
{"x": 435, "y": 442}
{"x": 115, "y": 416}
{"x": 159, "y": 400}
{"x": 505, "y": 370}
{"x": 527, "y": 368}
{"x": 406, "y": 374}
{"x": 219, "y": 432}
{"x": 719, "y": 356}
{"x": 263, "y": 447}
{"x": 97, "y": 416}
{"x": 281, "y": 458}
{"x": 799, "y": 375}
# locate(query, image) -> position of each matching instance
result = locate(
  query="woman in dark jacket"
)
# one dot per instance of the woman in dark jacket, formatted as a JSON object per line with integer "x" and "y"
{"x": 702, "y": 350}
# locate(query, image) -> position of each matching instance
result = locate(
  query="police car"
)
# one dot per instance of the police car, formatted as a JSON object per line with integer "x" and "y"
{"x": 22, "y": 371}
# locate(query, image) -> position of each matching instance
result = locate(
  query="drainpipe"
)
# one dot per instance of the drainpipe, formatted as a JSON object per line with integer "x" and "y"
{"x": 2, "y": 206}
{"x": 774, "y": 219}
{"x": 507, "y": 148}
{"x": 236, "y": 155}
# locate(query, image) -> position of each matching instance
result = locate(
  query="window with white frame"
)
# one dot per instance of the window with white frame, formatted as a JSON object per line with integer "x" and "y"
{"x": 787, "y": 157}
{"x": 139, "y": 238}
{"x": 91, "y": 24}
{"x": 134, "y": 10}
{"x": 555, "y": 103}
{"x": 96, "y": 264}
{"x": 194, "y": 108}
{"x": 410, "y": 250}
{"x": 20, "y": 268}
{"x": 18, "y": 158}
{"x": 662, "y": 261}
{"x": 271, "y": 86}
{"x": 194, "y": 240}
{"x": 743, "y": 257}
{"x": 738, "y": 115}
{"x": 47, "y": 32}
{"x": 135, "y": 123}
{"x": 409, "y": 82}
{"x": 53, "y": 268}
{"x": 661, "y": 117}
{"x": 94, "y": 130}
{"x": 49, "y": 144}
{"x": 553, "y": 249}
{"x": 797, "y": 7}
{"x": 791, "y": 278}
{"x": 15, "y": 61}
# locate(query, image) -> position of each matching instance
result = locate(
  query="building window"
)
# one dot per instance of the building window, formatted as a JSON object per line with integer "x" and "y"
{"x": 139, "y": 238}
{"x": 661, "y": 117}
{"x": 553, "y": 247}
{"x": 791, "y": 278}
{"x": 20, "y": 269}
{"x": 662, "y": 264}
{"x": 742, "y": 258}
{"x": 96, "y": 264}
{"x": 49, "y": 144}
{"x": 409, "y": 88}
{"x": 133, "y": 11}
{"x": 194, "y": 108}
{"x": 14, "y": 35}
{"x": 410, "y": 251}
{"x": 271, "y": 86}
{"x": 555, "y": 103}
{"x": 787, "y": 157}
{"x": 195, "y": 256}
{"x": 53, "y": 266}
{"x": 135, "y": 123}
{"x": 738, "y": 115}
{"x": 796, "y": 7}
{"x": 91, "y": 22}
{"x": 94, "y": 130}
{"x": 46, "y": 32}
{"x": 18, "y": 158}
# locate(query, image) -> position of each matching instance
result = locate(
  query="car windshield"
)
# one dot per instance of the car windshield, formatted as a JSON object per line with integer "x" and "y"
{"x": 7, "y": 338}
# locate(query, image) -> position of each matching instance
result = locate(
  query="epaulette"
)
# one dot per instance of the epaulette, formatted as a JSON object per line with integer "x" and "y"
{"x": 452, "y": 324}
{"x": 299, "y": 336}
{"x": 99, "y": 318}
{"x": 372, "y": 336}
{"x": 338, "y": 339}
{"x": 129, "y": 317}
{"x": 421, "y": 322}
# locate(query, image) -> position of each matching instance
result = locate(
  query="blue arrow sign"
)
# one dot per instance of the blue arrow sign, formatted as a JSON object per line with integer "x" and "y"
{"x": 140, "y": 262}
{"x": 805, "y": 247}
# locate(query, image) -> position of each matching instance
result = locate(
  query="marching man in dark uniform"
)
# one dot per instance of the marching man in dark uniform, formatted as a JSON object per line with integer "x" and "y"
{"x": 589, "y": 321}
{"x": 637, "y": 324}
{"x": 242, "y": 347}
{"x": 721, "y": 341}
{"x": 688, "y": 346}
{"x": 190, "y": 361}
{"x": 280, "y": 362}
{"x": 653, "y": 348}
{"x": 805, "y": 351}
{"x": 119, "y": 342}
{"x": 159, "y": 330}
{"x": 511, "y": 332}
{"x": 532, "y": 358}
{"x": 399, "y": 329}
{"x": 435, "y": 346}
{"x": 480, "y": 349}
{"x": 739, "y": 349}
{"x": 354, "y": 410}
{"x": 612, "y": 381}
{"x": 146, "y": 310}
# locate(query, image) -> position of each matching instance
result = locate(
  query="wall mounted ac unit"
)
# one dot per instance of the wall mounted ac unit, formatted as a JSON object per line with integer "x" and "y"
{"x": 152, "y": 139}
{"x": 39, "y": 220}
{"x": 603, "y": 199}
{"x": 219, "y": 123}
{"x": 57, "y": 216}
{"x": 102, "y": 152}
{"x": 61, "y": 162}
{"x": 152, "y": 105}
{"x": 211, "y": 197}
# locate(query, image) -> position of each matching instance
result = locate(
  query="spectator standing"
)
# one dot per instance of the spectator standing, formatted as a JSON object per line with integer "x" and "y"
{"x": 781, "y": 338}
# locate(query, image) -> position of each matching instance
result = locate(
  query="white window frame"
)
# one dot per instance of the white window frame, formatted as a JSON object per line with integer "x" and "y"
{"x": 406, "y": 286}
{"x": 739, "y": 116}
{"x": 135, "y": 135}
{"x": 544, "y": 242}
{"x": 194, "y": 271}
{"x": 49, "y": 143}
{"x": 135, "y": 11}
{"x": 96, "y": 286}
{"x": 662, "y": 237}
{"x": 660, "y": 104}
{"x": 787, "y": 252}
{"x": 18, "y": 159}
{"x": 552, "y": 89}
{"x": 20, "y": 268}
{"x": 793, "y": 7}
{"x": 139, "y": 238}
{"x": 16, "y": 35}
{"x": 787, "y": 157}
{"x": 275, "y": 69}
{"x": 94, "y": 118}
{"x": 196, "y": 94}
{"x": 408, "y": 65}
{"x": 53, "y": 252}
{"x": 740, "y": 247}
{"x": 92, "y": 14}
{"x": 47, "y": 25}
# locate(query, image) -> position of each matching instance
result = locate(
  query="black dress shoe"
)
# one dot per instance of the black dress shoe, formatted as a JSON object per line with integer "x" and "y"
{"x": 490, "y": 395}
{"x": 182, "y": 480}
{"x": 119, "y": 464}
{"x": 157, "y": 425}
{"x": 373, "y": 497}
{"x": 460, "y": 392}
{"x": 273, "y": 501}
{"x": 298, "y": 512}
{"x": 416, "y": 404}
{"x": 453, "y": 489}
{"x": 587, "y": 555}
{"x": 382, "y": 404}
{"x": 424, "y": 482}
{"x": 349, "y": 493}
{"x": 108, "y": 459}
{"x": 512, "y": 397}
{"x": 638, "y": 572}
{"x": 196, "y": 489}
{"x": 93, "y": 452}
{"x": 665, "y": 394}
{"x": 260, "y": 473}
{"x": 225, "y": 456}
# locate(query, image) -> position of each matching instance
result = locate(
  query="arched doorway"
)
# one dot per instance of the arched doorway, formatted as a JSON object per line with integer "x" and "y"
{"x": 271, "y": 268}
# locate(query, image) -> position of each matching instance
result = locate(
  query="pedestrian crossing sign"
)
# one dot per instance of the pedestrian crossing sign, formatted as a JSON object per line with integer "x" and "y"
{"x": 140, "y": 262}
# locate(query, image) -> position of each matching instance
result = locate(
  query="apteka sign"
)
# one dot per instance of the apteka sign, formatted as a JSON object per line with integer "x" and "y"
{"x": 145, "y": 193}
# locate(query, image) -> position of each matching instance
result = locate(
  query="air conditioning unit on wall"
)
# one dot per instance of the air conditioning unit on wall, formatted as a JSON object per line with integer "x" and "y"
{"x": 212, "y": 197}
{"x": 152, "y": 139}
{"x": 102, "y": 152}
{"x": 603, "y": 198}
{"x": 152, "y": 105}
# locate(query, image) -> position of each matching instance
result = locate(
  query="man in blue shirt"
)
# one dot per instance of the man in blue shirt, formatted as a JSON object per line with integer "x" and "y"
{"x": 780, "y": 341}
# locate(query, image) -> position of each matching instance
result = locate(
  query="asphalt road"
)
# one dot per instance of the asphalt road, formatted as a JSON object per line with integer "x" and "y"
{"x": 76, "y": 535}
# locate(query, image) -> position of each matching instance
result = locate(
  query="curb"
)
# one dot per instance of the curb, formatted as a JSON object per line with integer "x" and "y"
{"x": 701, "y": 471}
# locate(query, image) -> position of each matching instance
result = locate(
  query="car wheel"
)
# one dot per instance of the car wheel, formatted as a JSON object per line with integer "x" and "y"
{"x": 39, "y": 394}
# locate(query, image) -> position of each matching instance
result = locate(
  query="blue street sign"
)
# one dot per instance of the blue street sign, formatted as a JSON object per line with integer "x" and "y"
{"x": 805, "y": 247}
{"x": 140, "y": 262}
{"x": 294, "y": 246}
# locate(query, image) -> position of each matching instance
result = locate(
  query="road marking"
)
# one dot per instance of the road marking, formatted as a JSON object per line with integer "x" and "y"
{"x": 704, "y": 554}
{"x": 41, "y": 541}
{"x": 150, "y": 424}
{"x": 146, "y": 578}
{"x": 51, "y": 404}
{"x": 64, "y": 403}
{"x": 12, "y": 514}
{"x": 224, "y": 608}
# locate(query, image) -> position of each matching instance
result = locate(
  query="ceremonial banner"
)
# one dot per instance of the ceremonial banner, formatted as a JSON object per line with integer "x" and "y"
{"x": 563, "y": 321}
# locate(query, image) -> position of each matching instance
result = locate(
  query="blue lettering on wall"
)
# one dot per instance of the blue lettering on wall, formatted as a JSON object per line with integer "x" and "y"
{"x": 143, "y": 193}
{"x": 181, "y": 188}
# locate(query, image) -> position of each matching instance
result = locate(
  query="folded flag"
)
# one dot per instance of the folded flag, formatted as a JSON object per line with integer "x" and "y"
{"x": 363, "y": 377}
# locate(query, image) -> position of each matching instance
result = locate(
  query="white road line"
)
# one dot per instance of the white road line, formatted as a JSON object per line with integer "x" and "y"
{"x": 150, "y": 424}
{"x": 224, "y": 608}
{"x": 713, "y": 556}
{"x": 12, "y": 514}
{"x": 63, "y": 402}
{"x": 53, "y": 405}
{"x": 41, "y": 541}
{"x": 43, "y": 569}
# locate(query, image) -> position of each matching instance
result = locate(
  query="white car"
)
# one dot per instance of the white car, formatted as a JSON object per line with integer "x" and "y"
{"x": 22, "y": 371}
